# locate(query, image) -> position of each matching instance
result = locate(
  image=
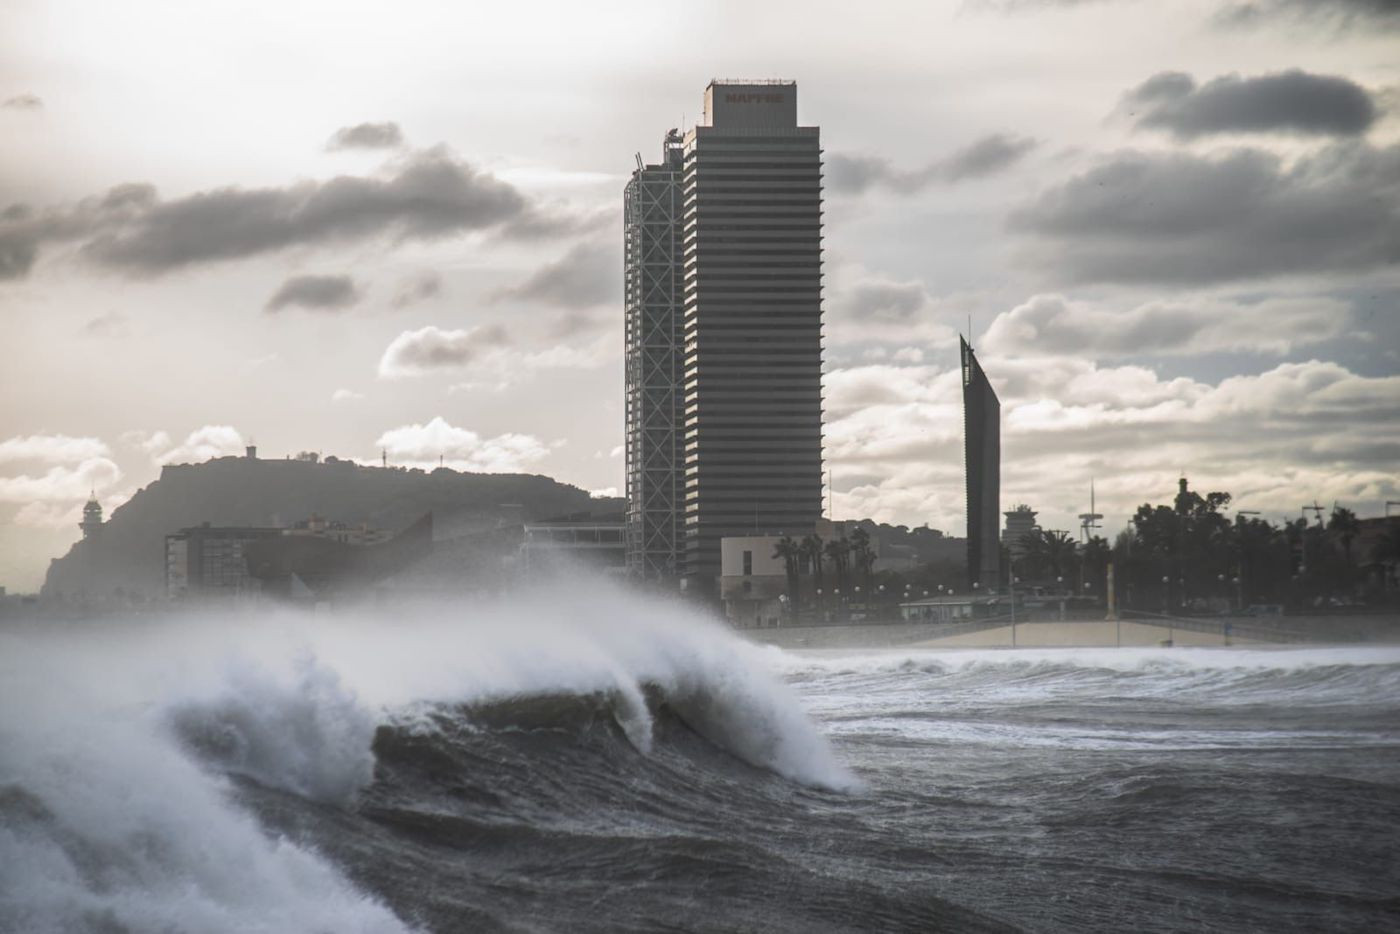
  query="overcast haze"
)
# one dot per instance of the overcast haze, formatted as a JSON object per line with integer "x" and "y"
{"x": 354, "y": 227}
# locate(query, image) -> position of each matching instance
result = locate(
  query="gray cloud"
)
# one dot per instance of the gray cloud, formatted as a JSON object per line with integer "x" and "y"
{"x": 986, "y": 156}
{"x": 367, "y": 136}
{"x": 428, "y": 195}
{"x": 1343, "y": 14}
{"x": 19, "y": 247}
{"x": 1289, "y": 102}
{"x": 589, "y": 274}
{"x": 416, "y": 288}
{"x": 113, "y": 324}
{"x": 1052, "y": 325}
{"x": 1020, "y": 6}
{"x": 414, "y": 353}
{"x": 575, "y": 323}
{"x": 882, "y": 298}
{"x": 23, "y": 230}
{"x": 23, "y": 102}
{"x": 1177, "y": 217}
{"x": 320, "y": 293}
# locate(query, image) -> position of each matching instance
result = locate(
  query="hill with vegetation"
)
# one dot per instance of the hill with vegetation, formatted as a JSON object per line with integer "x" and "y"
{"x": 126, "y": 558}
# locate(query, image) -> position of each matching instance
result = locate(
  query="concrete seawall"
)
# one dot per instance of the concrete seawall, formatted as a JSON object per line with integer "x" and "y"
{"x": 1088, "y": 633}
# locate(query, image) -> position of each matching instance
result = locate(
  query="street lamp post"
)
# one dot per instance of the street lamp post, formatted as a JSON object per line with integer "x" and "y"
{"x": 1167, "y": 607}
{"x": 1014, "y": 581}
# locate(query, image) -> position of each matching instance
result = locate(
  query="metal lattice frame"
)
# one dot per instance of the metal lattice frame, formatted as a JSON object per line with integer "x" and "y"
{"x": 652, "y": 216}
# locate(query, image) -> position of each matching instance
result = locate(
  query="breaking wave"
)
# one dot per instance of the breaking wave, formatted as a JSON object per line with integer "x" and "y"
{"x": 173, "y": 775}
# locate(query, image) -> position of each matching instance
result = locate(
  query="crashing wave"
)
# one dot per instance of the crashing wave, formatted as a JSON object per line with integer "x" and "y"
{"x": 119, "y": 742}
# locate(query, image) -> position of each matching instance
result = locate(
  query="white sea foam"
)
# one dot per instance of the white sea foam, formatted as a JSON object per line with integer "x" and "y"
{"x": 307, "y": 734}
{"x": 1096, "y": 698}
{"x": 116, "y": 740}
{"x": 106, "y": 825}
{"x": 825, "y": 662}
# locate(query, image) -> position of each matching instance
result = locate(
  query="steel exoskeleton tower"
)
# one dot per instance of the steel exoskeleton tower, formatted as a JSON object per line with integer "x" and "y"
{"x": 652, "y": 294}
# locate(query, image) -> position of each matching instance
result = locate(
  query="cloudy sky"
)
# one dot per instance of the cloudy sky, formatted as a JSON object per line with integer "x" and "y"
{"x": 350, "y": 227}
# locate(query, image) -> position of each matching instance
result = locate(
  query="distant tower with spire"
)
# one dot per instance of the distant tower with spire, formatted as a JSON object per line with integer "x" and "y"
{"x": 92, "y": 517}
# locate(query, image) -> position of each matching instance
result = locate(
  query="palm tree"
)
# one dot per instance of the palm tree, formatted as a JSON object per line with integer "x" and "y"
{"x": 1345, "y": 526}
{"x": 1060, "y": 550}
{"x": 863, "y": 553}
{"x": 1094, "y": 563}
{"x": 1386, "y": 552}
{"x": 839, "y": 551}
{"x": 1049, "y": 552}
{"x": 790, "y": 552}
{"x": 812, "y": 551}
{"x": 1033, "y": 553}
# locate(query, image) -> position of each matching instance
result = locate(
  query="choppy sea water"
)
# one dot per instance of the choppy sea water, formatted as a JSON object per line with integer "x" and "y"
{"x": 616, "y": 765}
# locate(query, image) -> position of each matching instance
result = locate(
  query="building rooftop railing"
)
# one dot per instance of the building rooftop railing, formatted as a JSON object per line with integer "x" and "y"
{"x": 763, "y": 82}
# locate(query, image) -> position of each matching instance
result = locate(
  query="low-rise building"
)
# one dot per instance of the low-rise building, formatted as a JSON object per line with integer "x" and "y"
{"x": 207, "y": 562}
{"x": 362, "y": 534}
{"x": 948, "y": 608}
{"x": 753, "y": 581}
{"x": 586, "y": 539}
{"x": 211, "y": 562}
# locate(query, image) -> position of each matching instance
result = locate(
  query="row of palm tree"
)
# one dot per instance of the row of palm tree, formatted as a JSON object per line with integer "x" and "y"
{"x": 1046, "y": 553}
{"x": 811, "y": 555}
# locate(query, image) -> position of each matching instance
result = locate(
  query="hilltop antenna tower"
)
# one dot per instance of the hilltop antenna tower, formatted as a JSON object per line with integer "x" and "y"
{"x": 1089, "y": 521}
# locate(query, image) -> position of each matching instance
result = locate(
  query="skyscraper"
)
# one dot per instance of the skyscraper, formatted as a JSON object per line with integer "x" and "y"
{"x": 749, "y": 294}
{"x": 982, "y": 454}
{"x": 652, "y": 297}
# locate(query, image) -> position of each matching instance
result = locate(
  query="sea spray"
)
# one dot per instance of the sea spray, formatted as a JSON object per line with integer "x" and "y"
{"x": 120, "y": 741}
{"x": 307, "y": 734}
{"x": 106, "y": 825}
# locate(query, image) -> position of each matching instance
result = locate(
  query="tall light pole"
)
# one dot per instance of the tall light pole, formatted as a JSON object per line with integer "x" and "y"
{"x": 1014, "y": 581}
{"x": 1167, "y": 607}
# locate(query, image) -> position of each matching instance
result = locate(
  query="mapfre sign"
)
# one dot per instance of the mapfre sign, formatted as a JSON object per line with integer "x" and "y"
{"x": 768, "y": 97}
